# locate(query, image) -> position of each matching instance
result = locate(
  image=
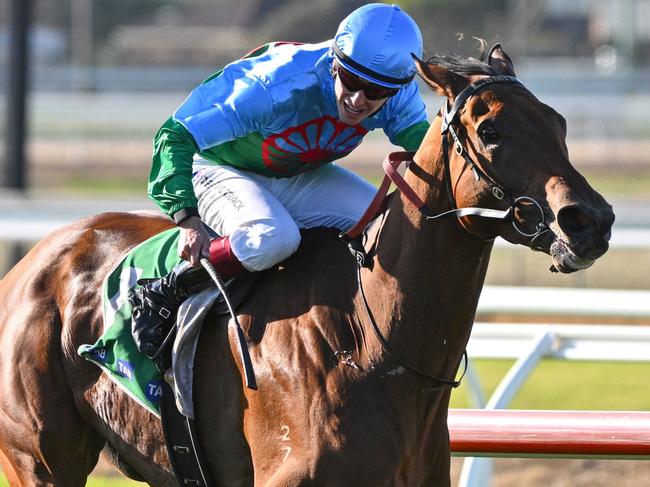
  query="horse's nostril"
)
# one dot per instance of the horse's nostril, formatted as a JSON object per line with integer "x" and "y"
{"x": 575, "y": 222}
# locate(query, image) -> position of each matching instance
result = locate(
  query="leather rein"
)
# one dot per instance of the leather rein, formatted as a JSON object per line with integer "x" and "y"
{"x": 390, "y": 165}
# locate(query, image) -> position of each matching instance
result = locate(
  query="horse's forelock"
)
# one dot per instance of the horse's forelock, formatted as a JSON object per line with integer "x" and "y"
{"x": 464, "y": 66}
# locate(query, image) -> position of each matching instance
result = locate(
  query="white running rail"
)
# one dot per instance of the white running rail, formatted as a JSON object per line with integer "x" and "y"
{"x": 529, "y": 300}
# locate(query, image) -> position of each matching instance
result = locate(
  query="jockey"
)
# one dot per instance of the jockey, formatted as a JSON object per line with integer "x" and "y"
{"x": 249, "y": 152}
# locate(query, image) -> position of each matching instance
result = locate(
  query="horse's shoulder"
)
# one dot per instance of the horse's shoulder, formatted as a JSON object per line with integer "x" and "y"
{"x": 322, "y": 260}
{"x": 306, "y": 290}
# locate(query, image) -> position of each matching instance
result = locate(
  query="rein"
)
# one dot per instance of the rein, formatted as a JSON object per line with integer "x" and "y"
{"x": 441, "y": 383}
{"x": 390, "y": 166}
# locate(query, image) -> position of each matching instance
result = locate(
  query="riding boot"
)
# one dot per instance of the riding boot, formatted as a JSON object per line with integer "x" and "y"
{"x": 155, "y": 304}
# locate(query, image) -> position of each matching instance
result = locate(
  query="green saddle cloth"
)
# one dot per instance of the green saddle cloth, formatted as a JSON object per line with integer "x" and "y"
{"x": 115, "y": 351}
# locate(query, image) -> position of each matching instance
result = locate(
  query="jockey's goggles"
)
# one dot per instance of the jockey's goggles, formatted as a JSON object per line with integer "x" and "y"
{"x": 355, "y": 83}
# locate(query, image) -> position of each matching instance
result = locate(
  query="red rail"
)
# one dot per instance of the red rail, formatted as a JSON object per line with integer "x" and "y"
{"x": 577, "y": 434}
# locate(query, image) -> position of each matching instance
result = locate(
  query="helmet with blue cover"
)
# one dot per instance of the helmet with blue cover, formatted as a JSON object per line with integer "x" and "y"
{"x": 375, "y": 42}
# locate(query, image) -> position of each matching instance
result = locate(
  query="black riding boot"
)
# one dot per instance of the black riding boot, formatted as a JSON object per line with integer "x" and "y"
{"x": 154, "y": 306}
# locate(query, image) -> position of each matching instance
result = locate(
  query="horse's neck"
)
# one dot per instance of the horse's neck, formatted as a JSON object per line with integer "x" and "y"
{"x": 427, "y": 276}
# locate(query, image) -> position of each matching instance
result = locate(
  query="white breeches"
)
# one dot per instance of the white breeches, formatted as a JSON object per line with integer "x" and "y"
{"x": 263, "y": 215}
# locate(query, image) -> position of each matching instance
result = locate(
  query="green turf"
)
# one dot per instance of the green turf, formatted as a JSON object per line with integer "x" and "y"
{"x": 519, "y": 266}
{"x": 559, "y": 384}
{"x": 621, "y": 184}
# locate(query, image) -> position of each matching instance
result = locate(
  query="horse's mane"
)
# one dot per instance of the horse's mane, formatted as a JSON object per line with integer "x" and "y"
{"x": 463, "y": 65}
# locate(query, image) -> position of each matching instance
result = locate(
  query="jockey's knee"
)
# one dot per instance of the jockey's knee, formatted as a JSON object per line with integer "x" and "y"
{"x": 260, "y": 246}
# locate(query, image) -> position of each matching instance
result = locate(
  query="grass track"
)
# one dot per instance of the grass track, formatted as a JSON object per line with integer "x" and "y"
{"x": 560, "y": 384}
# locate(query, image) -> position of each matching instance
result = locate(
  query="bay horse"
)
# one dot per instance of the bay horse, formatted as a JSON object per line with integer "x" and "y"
{"x": 336, "y": 405}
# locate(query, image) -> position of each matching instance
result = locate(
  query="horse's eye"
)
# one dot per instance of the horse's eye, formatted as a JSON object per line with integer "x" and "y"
{"x": 488, "y": 134}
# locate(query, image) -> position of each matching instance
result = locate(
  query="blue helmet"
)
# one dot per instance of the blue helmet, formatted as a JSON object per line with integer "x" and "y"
{"x": 376, "y": 42}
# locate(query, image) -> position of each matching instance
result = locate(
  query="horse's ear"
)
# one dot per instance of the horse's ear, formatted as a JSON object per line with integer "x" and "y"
{"x": 443, "y": 81}
{"x": 500, "y": 61}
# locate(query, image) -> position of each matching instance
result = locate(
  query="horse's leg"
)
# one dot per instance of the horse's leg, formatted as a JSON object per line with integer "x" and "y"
{"x": 298, "y": 472}
{"x": 43, "y": 439}
{"x": 291, "y": 474}
{"x": 439, "y": 476}
{"x": 8, "y": 470}
{"x": 438, "y": 454}
{"x": 55, "y": 462}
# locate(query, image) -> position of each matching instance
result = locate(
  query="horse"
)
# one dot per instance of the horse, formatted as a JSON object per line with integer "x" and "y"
{"x": 354, "y": 364}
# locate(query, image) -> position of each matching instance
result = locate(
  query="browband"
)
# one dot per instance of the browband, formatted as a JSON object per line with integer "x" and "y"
{"x": 378, "y": 76}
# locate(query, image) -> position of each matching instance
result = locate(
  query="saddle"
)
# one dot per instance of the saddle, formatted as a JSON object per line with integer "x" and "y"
{"x": 154, "y": 326}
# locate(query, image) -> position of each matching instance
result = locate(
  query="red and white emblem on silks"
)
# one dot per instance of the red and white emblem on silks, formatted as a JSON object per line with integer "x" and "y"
{"x": 310, "y": 145}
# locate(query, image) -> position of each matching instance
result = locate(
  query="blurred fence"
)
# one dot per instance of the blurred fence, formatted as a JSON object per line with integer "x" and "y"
{"x": 493, "y": 432}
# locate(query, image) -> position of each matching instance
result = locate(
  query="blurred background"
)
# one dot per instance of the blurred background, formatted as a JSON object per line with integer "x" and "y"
{"x": 103, "y": 75}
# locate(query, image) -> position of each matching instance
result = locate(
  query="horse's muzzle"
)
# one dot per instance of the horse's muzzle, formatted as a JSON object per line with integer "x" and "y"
{"x": 565, "y": 260}
{"x": 582, "y": 236}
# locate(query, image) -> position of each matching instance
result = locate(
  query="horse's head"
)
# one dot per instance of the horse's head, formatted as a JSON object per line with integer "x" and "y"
{"x": 506, "y": 149}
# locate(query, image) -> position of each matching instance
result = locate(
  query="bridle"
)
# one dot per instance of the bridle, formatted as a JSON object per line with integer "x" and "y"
{"x": 450, "y": 115}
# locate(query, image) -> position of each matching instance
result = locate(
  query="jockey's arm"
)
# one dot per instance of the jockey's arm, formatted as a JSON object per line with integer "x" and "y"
{"x": 170, "y": 186}
{"x": 407, "y": 119}
{"x": 170, "y": 180}
{"x": 194, "y": 241}
{"x": 411, "y": 137}
{"x": 214, "y": 113}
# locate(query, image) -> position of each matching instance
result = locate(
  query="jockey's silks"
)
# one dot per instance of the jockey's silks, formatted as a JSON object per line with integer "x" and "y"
{"x": 272, "y": 112}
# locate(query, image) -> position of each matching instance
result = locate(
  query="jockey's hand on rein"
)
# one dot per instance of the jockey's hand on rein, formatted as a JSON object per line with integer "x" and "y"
{"x": 194, "y": 241}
